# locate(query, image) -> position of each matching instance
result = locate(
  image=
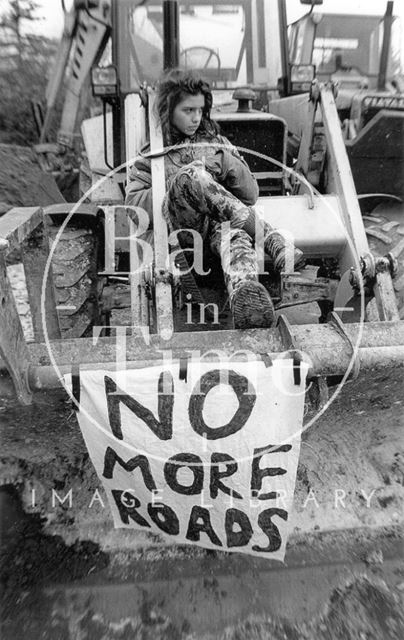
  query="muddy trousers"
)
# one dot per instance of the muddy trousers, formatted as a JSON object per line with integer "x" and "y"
{"x": 196, "y": 201}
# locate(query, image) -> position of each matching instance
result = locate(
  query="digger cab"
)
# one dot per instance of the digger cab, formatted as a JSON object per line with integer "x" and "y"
{"x": 361, "y": 55}
{"x": 242, "y": 49}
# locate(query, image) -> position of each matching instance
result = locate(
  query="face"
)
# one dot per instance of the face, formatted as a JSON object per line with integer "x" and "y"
{"x": 187, "y": 114}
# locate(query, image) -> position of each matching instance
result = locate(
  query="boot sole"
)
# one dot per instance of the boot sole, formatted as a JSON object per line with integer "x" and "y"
{"x": 252, "y": 307}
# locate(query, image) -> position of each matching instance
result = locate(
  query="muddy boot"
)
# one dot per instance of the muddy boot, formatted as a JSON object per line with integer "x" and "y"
{"x": 251, "y": 306}
{"x": 284, "y": 255}
{"x": 250, "y": 303}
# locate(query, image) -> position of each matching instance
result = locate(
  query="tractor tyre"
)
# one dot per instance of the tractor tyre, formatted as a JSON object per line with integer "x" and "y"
{"x": 75, "y": 265}
{"x": 385, "y": 233}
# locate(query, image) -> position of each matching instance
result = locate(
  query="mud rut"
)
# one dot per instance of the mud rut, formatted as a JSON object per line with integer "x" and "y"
{"x": 67, "y": 574}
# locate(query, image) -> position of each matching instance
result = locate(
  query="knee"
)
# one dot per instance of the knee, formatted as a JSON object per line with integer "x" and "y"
{"x": 240, "y": 237}
{"x": 194, "y": 171}
{"x": 233, "y": 242}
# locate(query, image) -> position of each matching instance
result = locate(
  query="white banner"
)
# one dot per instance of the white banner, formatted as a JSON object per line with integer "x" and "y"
{"x": 209, "y": 460}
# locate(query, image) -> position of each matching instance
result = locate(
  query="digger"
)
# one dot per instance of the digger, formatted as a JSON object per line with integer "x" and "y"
{"x": 95, "y": 306}
{"x": 342, "y": 276}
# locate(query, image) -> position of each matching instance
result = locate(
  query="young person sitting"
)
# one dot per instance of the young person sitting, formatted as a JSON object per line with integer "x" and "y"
{"x": 208, "y": 184}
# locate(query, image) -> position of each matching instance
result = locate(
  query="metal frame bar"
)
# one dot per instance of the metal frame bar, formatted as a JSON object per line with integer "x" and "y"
{"x": 138, "y": 299}
{"x": 164, "y": 305}
{"x": 35, "y": 257}
{"x": 383, "y": 289}
{"x": 90, "y": 39}
{"x": 24, "y": 227}
{"x": 13, "y": 347}
{"x": 343, "y": 177}
{"x": 303, "y": 159}
{"x": 328, "y": 350}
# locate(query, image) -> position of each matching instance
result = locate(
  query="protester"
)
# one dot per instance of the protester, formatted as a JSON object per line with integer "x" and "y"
{"x": 208, "y": 184}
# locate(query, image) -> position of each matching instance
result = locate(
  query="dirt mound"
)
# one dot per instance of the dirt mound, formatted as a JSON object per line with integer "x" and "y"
{"x": 22, "y": 182}
{"x": 363, "y": 608}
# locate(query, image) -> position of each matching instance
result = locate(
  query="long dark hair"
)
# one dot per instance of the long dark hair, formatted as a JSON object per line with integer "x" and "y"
{"x": 173, "y": 87}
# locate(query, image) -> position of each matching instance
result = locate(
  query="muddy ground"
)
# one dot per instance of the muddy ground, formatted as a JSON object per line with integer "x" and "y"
{"x": 24, "y": 184}
{"x": 66, "y": 573}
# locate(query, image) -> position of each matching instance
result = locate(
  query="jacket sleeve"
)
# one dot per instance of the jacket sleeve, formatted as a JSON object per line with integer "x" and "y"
{"x": 139, "y": 190}
{"x": 231, "y": 170}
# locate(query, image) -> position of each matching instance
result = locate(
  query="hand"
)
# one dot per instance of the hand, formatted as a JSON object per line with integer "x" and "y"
{"x": 214, "y": 164}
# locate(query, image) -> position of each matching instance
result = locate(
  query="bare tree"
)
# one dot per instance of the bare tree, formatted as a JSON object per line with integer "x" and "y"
{"x": 15, "y": 21}
{"x": 25, "y": 60}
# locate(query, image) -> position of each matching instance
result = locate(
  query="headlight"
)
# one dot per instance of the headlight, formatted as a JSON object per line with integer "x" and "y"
{"x": 104, "y": 81}
{"x": 301, "y": 77}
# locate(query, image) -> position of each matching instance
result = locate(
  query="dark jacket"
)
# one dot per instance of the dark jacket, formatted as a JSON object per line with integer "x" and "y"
{"x": 221, "y": 158}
